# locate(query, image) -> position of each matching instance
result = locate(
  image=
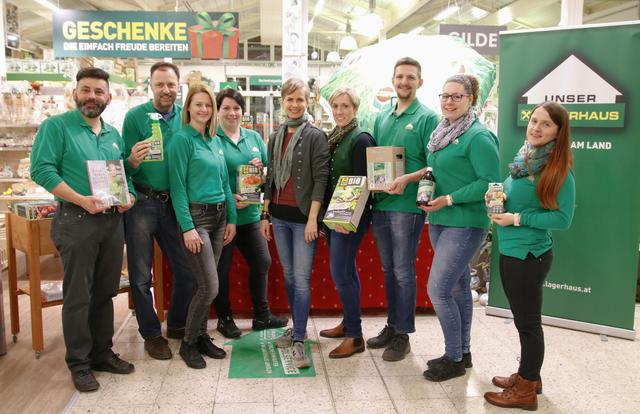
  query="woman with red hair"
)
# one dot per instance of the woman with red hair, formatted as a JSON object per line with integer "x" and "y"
{"x": 540, "y": 192}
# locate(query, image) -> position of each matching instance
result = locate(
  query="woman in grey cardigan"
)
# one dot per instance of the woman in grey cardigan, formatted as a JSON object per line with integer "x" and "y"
{"x": 296, "y": 181}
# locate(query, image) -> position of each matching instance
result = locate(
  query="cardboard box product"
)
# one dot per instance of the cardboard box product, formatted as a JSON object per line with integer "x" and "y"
{"x": 384, "y": 164}
{"x": 248, "y": 184}
{"x": 347, "y": 203}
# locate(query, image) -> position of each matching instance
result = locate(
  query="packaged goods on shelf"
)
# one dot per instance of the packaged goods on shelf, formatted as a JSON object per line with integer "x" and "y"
{"x": 34, "y": 210}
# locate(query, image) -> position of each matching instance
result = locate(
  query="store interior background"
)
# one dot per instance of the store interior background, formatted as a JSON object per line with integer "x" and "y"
{"x": 43, "y": 385}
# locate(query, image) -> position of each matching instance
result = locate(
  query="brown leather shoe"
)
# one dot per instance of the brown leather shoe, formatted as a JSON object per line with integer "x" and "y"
{"x": 158, "y": 348}
{"x": 507, "y": 382}
{"x": 337, "y": 332}
{"x": 521, "y": 395}
{"x": 348, "y": 347}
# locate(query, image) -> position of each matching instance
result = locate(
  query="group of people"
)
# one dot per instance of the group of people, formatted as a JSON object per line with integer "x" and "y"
{"x": 187, "y": 203}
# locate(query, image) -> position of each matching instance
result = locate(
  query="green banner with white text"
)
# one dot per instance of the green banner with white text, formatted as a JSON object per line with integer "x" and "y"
{"x": 141, "y": 34}
{"x": 593, "y": 72}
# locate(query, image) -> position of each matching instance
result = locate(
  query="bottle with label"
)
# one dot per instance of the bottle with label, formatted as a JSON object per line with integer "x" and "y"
{"x": 426, "y": 188}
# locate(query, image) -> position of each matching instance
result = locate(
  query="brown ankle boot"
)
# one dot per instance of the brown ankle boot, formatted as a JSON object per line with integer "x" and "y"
{"x": 507, "y": 382}
{"x": 348, "y": 347}
{"x": 337, "y": 332}
{"x": 521, "y": 395}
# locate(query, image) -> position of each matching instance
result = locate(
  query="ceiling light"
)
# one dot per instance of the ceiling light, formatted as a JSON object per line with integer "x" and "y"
{"x": 318, "y": 8}
{"x": 48, "y": 5}
{"x": 446, "y": 13}
{"x": 417, "y": 30}
{"x": 371, "y": 24}
{"x": 348, "y": 43}
{"x": 504, "y": 16}
{"x": 333, "y": 57}
{"x": 478, "y": 13}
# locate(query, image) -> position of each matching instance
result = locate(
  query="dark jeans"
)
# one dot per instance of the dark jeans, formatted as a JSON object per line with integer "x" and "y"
{"x": 210, "y": 225}
{"x": 91, "y": 248}
{"x": 255, "y": 250}
{"x": 522, "y": 282}
{"x": 397, "y": 235}
{"x": 148, "y": 219}
{"x": 343, "y": 249}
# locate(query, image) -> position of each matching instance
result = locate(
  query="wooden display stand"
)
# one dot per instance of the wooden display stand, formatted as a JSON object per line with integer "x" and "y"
{"x": 32, "y": 238}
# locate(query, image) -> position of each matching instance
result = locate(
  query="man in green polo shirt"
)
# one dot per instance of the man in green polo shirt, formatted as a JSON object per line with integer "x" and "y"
{"x": 147, "y": 131}
{"x": 397, "y": 222}
{"x": 89, "y": 238}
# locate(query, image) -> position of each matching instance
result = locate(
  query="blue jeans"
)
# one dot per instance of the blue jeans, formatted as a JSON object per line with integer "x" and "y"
{"x": 449, "y": 283}
{"x": 343, "y": 249}
{"x": 397, "y": 235}
{"x": 296, "y": 257}
{"x": 148, "y": 219}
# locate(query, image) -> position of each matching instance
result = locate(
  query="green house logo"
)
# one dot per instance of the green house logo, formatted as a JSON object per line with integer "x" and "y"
{"x": 590, "y": 99}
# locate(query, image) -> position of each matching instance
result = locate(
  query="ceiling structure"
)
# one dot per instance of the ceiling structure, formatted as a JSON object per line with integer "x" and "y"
{"x": 330, "y": 16}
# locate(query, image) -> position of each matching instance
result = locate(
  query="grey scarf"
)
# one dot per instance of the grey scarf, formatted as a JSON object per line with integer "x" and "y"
{"x": 282, "y": 163}
{"x": 446, "y": 132}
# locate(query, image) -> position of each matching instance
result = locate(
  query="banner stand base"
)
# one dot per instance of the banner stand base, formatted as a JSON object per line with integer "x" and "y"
{"x": 569, "y": 324}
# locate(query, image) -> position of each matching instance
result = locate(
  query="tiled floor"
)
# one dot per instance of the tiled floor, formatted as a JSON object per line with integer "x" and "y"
{"x": 582, "y": 374}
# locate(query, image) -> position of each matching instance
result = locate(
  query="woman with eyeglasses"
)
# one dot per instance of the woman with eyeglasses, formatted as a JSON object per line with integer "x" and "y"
{"x": 541, "y": 195}
{"x": 464, "y": 156}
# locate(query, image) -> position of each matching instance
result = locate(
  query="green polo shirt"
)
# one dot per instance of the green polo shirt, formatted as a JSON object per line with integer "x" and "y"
{"x": 198, "y": 174}
{"x": 534, "y": 233}
{"x": 249, "y": 146}
{"x": 463, "y": 169}
{"x": 62, "y": 147}
{"x": 137, "y": 127}
{"x": 411, "y": 130}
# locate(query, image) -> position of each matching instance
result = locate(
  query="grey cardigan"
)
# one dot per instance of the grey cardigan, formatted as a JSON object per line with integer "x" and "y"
{"x": 310, "y": 168}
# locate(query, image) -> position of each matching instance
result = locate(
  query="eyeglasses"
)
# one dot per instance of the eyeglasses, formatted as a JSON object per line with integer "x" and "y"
{"x": 456, "y": 97}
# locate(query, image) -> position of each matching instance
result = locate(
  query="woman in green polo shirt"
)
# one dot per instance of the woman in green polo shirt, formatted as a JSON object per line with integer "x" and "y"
{"x": 243, "y": 147}
{"x": 206, "y": 212}
{"x": 464, "y": 156}
{"x": 540, "y": 192}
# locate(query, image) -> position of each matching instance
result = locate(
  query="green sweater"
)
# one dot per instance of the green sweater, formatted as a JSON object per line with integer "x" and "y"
{"x": 137, "y": 127}
{"x": 249, "y": 146}
{"x": 463, "y": 169}
{"x": 411, "y": 130}
{"x": 198, "y": 174}
{"x": 62, "y": 147}
{"x": 534, "y": 235}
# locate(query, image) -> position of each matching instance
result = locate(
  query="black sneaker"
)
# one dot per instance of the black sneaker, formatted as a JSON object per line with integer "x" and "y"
{"x": 191, "y": 355}
{"x": 383, "y": 339}
{"x": 208, "y": 348}
{"x": 228, "y": 328}
{"x": 397, "y": 349}
{"x": 444, "y": 370}
{"x": 466, "y": 358}
{"x": 84, "y": 380}
{"x": 175, "y": 333}
{"x": 114, "y": 365}
{"x": 269, "y": 322}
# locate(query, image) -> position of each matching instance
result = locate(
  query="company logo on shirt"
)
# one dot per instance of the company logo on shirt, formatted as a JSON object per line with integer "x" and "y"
{"x": 220, "y": 152}
{"x": 255, "y": 149}
{"x": 154, "y": 116}
{"x": 591, "y": 100}
{"x": 409, "y": 127}
{"x": 115, "y": 146}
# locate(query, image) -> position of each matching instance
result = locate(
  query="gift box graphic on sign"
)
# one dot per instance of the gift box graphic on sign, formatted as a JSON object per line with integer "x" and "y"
{"x": 214, "y": 39}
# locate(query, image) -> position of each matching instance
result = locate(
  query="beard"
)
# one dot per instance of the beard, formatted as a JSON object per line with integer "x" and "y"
{"x": 90, "y": 112}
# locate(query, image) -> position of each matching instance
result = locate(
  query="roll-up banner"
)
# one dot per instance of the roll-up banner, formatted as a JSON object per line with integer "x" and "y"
{"x": 593, "y": 71}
